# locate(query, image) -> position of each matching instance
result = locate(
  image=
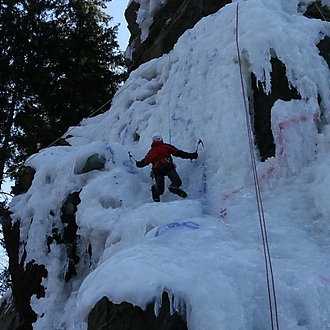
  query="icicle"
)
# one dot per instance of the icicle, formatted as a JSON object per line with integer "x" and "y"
{"x": 158, "y": 304}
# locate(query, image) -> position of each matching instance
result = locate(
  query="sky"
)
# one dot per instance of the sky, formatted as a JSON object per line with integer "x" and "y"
{"x": 116, "y": 9}
{"x": 206, "y": 251}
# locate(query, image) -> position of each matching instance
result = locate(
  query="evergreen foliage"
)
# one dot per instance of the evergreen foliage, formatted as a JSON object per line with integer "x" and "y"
{"x": 60, "y": 61}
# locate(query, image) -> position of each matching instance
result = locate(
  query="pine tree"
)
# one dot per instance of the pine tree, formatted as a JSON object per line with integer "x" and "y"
{"x": 60, "y": 61}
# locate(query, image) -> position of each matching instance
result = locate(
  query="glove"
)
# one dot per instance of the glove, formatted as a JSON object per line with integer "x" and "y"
{"x": 194, "y": 155}
{"x": 139, "y": 164}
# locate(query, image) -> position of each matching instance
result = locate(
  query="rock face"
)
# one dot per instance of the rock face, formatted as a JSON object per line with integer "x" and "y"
{"x": 169, "y": 23}
{"x": 106, "y": 316}
{"x": 175, "y": 17}
{"x": 26, "y": 279}
{"x": 172, "y": 20}
{"x": 263, "y": 103}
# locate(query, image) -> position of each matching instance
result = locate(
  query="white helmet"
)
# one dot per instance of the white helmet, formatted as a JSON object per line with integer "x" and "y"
{"x": 157, "y": 137}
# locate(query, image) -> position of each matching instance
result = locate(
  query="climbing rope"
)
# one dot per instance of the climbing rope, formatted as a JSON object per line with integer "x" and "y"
{"x": 267, "y": 257}
{"x": 321, "y": 13}
{"x": 169, "y": 105}
{"x": 58, "y": 139}
{"x": 73, "y": 127}
{"x": 96, "y": 111}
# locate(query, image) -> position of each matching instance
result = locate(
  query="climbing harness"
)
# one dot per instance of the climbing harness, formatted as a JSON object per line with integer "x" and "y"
{"x": 154, "y": 193}
{"x": 268, "y": 263}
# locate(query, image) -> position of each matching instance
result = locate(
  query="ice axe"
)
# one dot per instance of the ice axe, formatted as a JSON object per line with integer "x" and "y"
{"x": 131, "y": 157}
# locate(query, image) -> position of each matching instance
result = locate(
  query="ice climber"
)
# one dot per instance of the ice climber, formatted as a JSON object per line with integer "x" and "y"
{"x": 159, "y": 156}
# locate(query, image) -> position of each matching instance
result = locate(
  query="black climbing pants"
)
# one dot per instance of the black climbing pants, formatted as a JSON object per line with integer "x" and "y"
{"x": 169, "y": 171}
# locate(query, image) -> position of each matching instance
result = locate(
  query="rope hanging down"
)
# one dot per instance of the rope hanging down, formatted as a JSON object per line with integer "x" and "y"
{"x": 262, "y": 222}
{"x": 169, "y": 104}
{"x": 320, "y": 11}
{"x": 107, "y": 102}
{"x": 73, "y": 127}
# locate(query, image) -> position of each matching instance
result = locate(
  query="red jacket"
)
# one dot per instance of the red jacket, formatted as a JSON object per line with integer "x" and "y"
{"x": 160, "y": 154}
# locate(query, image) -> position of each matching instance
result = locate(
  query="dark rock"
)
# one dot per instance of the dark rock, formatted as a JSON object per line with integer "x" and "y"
{"x": 263, "y": 103}
{"x": 169, "y": 23}
{"x": 23, "y": 180}
{"x": 318, "y": 11}
{"x": 26, "y": 279}
{"x": 70, "y": 238}
{"x": 324, "y": 48}
{"x": 174, "y": 18}
{"x": 108, "y": 316}
{"x": 9, "y": 318}
{"x": 136, "y": 137}
{"x": 27, "y": 276}
{"x": 94, "y": 162}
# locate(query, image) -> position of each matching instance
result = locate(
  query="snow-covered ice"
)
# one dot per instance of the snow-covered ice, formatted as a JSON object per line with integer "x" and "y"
{"x": 205, "y": 251}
